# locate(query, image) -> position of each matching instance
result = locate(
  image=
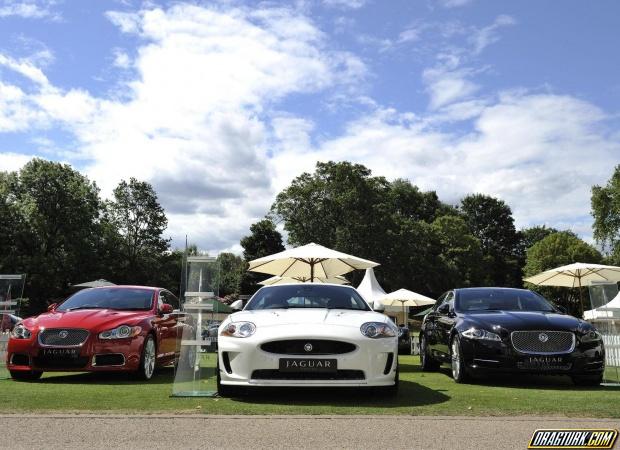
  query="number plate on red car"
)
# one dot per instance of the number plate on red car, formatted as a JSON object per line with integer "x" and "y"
{"x": 308, "y": 365}
{"x": 60, "y": 352}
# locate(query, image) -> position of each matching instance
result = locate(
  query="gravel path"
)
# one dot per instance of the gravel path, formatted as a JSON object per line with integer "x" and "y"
{"x": 285, "y": 432}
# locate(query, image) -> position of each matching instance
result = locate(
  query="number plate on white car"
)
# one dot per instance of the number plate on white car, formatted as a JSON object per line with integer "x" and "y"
{"x": 308, "y": 365}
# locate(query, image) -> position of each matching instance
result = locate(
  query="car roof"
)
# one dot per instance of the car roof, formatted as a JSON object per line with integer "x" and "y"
{"x": 127, "y": 286}
{"x": 490, "y": 288}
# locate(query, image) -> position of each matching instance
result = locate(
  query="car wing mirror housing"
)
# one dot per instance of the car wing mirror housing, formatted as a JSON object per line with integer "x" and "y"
{"x": 378, "y": 306}
{"x": 166, "y": 309}
{"x": 444, "y": 309}
{"x": 237, "y": 305}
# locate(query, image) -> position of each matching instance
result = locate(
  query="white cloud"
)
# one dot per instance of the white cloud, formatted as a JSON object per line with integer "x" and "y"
{"x": 28, "y": 9}
{"x": 454, "y": 3}
{"x": 345, "y": 4}
{"x": 10, "y": 162}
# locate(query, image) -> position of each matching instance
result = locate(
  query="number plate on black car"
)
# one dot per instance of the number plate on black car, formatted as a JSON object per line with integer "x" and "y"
{"x": 60, "y": 352}
{"x": 544, "y": 363}
{"x": 307, "y": 365}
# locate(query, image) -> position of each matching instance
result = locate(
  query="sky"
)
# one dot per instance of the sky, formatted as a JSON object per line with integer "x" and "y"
{"x": 221, "y": 104}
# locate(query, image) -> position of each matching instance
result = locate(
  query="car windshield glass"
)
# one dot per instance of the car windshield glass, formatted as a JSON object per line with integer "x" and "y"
{"x": 307, "y": 296}
{"x": 109, "y": 298}
{"x": 500, "y": 299}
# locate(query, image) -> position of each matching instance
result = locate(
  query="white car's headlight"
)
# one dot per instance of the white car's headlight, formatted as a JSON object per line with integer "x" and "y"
{"x": 377, "y": 330}
{"x": 239, "y": 329}
{"x": 477, "y": 333}
{"x": 122, "y": 332}
{"x": 21, "y": 332}
{"x": 591, "y": 336}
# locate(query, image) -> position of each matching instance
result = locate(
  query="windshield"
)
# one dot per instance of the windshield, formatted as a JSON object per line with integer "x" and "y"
{"x": 109, "y": 298}
{"x": 307, "y": 296}
{"x": 500, "y": 300}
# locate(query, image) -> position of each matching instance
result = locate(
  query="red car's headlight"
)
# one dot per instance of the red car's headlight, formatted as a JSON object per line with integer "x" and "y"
{"x": 122, "y": 332}
{"x": 21, "y": 332}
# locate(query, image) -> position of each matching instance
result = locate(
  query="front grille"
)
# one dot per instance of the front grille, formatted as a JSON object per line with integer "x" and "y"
{"x": 269, "y": 374}
{"x": 109, "y": 359}
{"x": 60, "y": 362}
{"x": 63, "y": 337}
{"x": 308, "y": 347}
{"x": 543, "y": 342}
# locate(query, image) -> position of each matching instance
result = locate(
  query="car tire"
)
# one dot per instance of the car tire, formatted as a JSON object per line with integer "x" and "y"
{"x": 148, "y": 359}
{"x": 426, "y": 360}
{"x": 22, "y": 375}
{"x": 459, "y": 371}
{"x": 587, "y": 380}
{"x": 222, "y": 389}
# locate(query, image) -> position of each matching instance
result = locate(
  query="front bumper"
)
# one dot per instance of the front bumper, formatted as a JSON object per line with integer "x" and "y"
{"x": 242, "y": 362}
{"x": 92, "y": 356}
{"x": 492, "y": 356}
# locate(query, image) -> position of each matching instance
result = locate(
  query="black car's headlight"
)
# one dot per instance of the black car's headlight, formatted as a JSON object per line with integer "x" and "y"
{"x": 375, "y": 330}
{"x": 122, "y": 332}
{"x": 21, "y": 332}
{"x": 239, "y": 329}
{"x": 479, "y": 333}
{"x": 591, "y": 336}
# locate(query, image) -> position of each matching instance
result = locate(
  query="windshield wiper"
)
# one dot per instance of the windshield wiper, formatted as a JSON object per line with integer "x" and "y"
{"x": 85, "y": 307}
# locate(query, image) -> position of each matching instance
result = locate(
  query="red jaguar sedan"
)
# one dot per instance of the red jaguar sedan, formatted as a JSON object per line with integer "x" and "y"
{"x": 120, "y": 328}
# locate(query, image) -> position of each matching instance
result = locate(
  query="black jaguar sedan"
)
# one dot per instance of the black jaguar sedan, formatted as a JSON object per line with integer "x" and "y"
{"x": 479, "y": 330}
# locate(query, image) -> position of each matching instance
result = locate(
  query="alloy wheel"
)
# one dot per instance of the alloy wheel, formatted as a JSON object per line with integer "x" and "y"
{"x": 149, "y": 358}
{"x": 456, "y": 359}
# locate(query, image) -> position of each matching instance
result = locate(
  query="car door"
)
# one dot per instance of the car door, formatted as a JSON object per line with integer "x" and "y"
{"x": 444, "y": 324}
{"x": 168, "y": 326}
{"x": 430, "y": 324}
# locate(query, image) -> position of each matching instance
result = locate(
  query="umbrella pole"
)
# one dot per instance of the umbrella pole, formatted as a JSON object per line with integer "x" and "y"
{"x": 583, "y": 309}
{"x": 312, "y": 271}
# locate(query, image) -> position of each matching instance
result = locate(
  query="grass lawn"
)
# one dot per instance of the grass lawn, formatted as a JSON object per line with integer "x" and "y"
{"x": 420, "y": 394}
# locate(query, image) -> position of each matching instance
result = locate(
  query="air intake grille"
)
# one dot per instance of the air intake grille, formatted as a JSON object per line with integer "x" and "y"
{"x": 268, "y": 374}
{"x": 308, "y": 347}
{"x": 543, "y": 342}
{"x": 63, "y": 337}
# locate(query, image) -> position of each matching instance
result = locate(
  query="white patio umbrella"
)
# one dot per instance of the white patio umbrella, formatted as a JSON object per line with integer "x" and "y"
{"x": 286, "y": 280}
{"x": 309, "y": 262}
{"x": 405, "y": 297}
{"x": 576, "y": 275}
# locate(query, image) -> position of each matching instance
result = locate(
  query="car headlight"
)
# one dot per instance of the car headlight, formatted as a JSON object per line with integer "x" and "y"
{"x": 375, "y": 330}
{"x": 591, "y": 336}
{"x": 21, "y": 332}
{"x": 239, "y": 329}
{"x": 122, "y": 332}
{"x": 477, "y": 333}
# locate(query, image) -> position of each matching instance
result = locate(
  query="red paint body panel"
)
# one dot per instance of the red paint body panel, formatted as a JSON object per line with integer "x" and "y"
{"x": 166, "y": 329}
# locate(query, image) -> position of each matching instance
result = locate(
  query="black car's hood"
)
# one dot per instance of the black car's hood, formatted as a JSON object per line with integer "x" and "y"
{"x": 523, "y": 320}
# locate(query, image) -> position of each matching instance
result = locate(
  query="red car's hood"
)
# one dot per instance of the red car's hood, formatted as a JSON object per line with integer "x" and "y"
{"x": 91, "y": 319}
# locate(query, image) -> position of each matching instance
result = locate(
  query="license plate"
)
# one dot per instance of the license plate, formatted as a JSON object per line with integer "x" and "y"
{"x": 60, "y": 352}
{"x": 544, "y": 363}
{"x": 308, "y": 365}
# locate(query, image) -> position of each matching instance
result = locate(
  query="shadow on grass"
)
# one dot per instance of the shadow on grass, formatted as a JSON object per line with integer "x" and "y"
{"x": 163, "y": 375}
{"x": 526, "y": 381}
{"x": 409, "y": 394}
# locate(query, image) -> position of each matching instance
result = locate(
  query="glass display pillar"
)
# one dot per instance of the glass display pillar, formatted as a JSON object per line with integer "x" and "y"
{"x": 195, "y": 373}
{"x": 11, "y": 293}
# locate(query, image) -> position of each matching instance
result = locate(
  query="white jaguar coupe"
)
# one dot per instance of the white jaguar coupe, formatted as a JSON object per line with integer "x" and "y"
{"x": 307, "y": 335}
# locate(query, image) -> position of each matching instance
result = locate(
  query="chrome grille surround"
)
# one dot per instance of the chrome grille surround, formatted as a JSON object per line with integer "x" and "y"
{"x": 557, "y": 342}
{"x": 51, "y": 337}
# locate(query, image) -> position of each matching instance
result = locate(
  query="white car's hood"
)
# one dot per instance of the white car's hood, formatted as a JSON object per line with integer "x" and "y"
{"x": 306, "y": 316}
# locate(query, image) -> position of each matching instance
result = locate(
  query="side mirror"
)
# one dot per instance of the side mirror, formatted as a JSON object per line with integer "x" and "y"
{"x": 378, "y": 306}
{"x": 562, "y": 309}
{"x": 237, "y": 305}
{"x": 52, "y": 307}
{"x": 166, "y": 309}
{"x": 444, "y": 309}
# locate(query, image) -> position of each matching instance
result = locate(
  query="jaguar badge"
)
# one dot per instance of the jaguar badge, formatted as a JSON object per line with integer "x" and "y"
{"x": 542, "y": 337}
{"x": 308, "y": 347}
{"x": 63, "y": 334}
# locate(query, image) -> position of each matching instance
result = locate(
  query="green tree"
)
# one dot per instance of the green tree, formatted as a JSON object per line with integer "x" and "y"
{"x": 137, "y": 223}
{"x": 491, "y": 221}
{"x": 559, "y": 249}
{"x": 460, "y": 250}
{"x": 530, "y": 236}
{"x": 263, "y": 240}
{"x": 231, "y": 271}
{"x": 606, "y": 212}
{"x": 54, "y": 226}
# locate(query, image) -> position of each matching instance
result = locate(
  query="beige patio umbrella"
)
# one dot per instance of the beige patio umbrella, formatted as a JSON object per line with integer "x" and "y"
{"x": 309, "y": 262}
{"x": 286, "y": 280}
{"x": 576, "y": 275}
{"x": 405, "y": 297}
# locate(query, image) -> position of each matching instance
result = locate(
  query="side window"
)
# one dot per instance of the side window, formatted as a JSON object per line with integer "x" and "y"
{"x": 162, "y": 298}
{"x": 440, "y": 300}
{"x": 172, "y": 300}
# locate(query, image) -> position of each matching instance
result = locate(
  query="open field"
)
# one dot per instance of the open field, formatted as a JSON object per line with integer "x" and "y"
{"x": 420, "y": 394}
